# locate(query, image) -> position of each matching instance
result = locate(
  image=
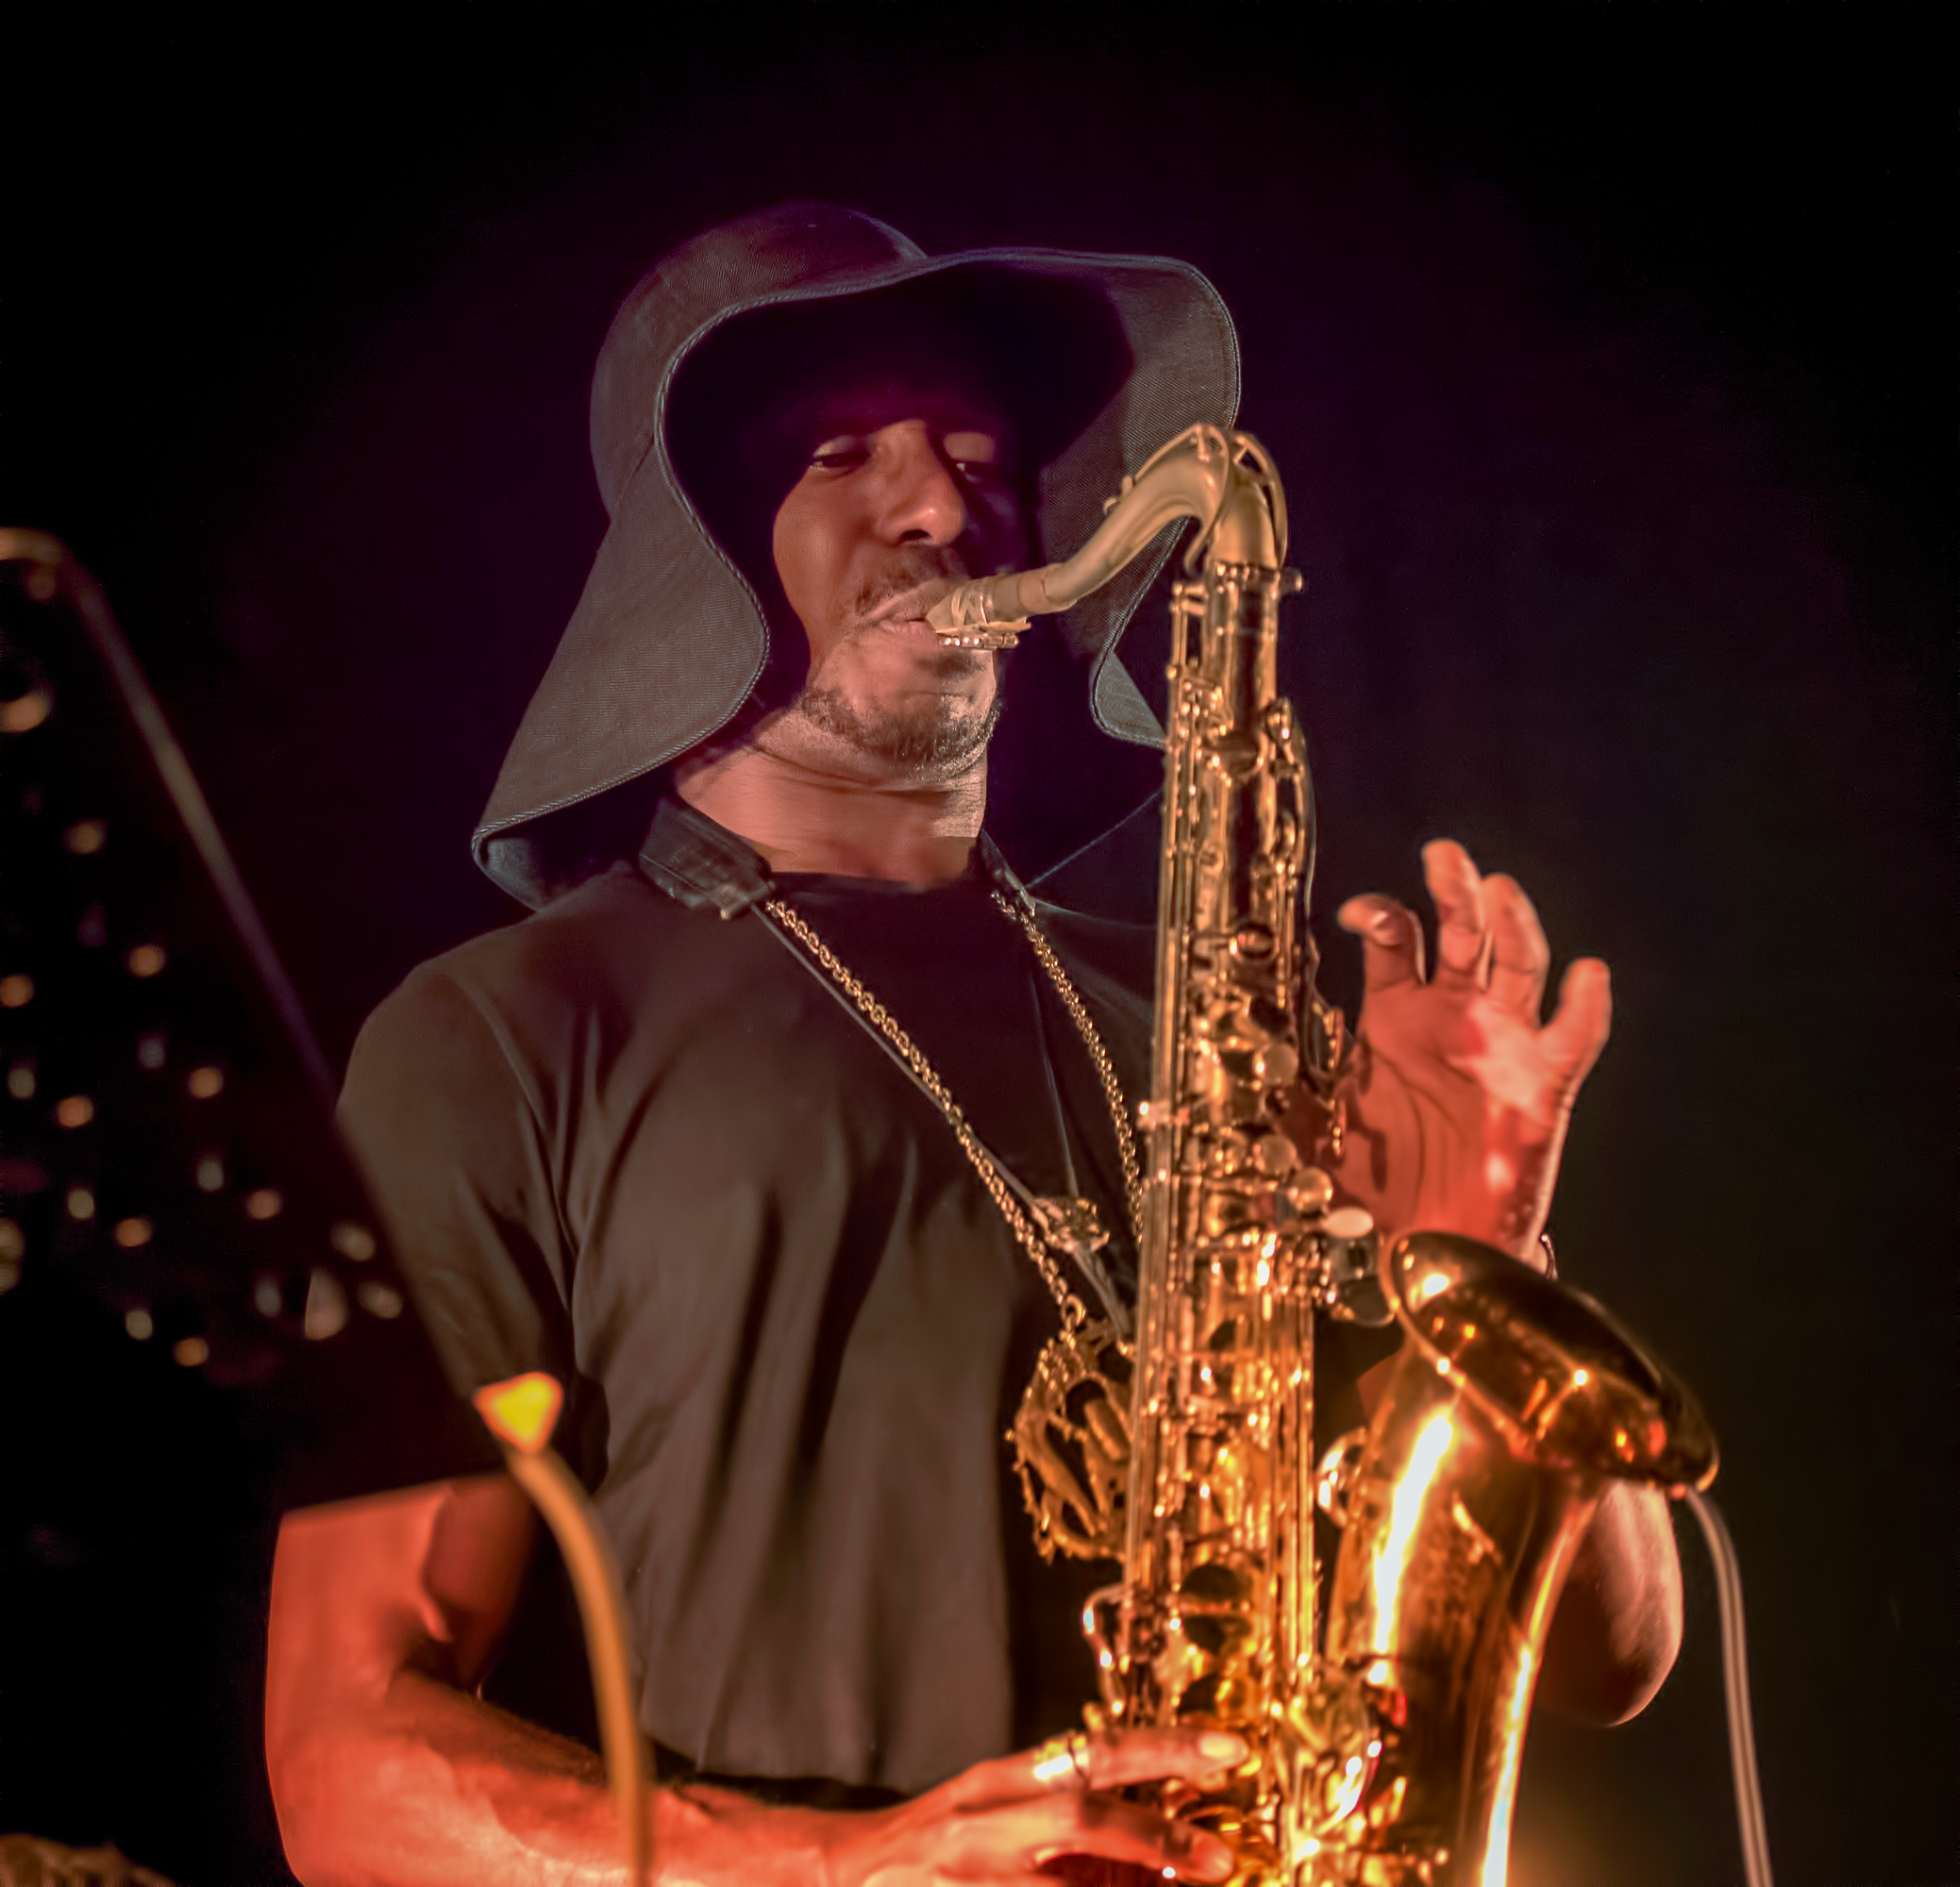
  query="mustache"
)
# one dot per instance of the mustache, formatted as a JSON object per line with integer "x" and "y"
{"x": 910, "y": 566}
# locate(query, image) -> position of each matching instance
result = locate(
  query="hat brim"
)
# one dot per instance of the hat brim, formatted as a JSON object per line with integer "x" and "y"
{"x": 669, "y": 636}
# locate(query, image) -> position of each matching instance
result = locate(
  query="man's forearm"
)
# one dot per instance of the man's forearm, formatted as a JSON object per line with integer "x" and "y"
{"x": 1618, "y": 1629}
{"x": 437, "y": 1789}
{"x": 388, "y": 1771}
{"x": 384, "y": 1766}
{"x": 440, "y": 1790}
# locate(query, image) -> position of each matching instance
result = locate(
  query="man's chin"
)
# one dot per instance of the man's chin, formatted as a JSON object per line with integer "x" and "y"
{"x": 932, "y": 736}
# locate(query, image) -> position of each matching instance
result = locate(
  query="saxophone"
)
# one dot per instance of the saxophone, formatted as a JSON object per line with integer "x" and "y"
{"x": 1386, "y": 1736}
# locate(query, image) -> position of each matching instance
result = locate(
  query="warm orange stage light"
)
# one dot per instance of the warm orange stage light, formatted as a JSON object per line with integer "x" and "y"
{"x": 522, "y": 1411}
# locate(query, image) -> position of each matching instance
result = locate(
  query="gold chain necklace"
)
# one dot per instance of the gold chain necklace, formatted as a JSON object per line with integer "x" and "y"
{"x": 1071, "y": 1434}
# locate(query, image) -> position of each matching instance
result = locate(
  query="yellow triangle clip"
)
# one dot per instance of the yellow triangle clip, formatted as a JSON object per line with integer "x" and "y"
{"x": 522, "y": 1411}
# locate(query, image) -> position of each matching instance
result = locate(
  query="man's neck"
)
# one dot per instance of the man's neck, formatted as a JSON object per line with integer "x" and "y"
{"x": 803, "y": 820}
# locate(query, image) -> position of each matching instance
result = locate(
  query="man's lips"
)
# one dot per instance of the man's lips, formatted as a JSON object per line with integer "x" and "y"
{"x": 907, "y": 610}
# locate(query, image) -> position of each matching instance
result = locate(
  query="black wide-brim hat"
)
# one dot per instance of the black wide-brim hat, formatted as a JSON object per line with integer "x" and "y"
{"x": 1098, "y": 359}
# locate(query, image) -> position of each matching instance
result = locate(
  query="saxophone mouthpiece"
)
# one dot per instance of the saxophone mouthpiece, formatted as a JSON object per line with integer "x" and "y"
{"x": 990, "y": 612}
{"x": 992, "y": 636}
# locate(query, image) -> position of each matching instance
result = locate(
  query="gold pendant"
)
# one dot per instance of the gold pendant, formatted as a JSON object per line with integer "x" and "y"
{"x": 1071, "y": 1223}
{"x": 1071, "y": 1443}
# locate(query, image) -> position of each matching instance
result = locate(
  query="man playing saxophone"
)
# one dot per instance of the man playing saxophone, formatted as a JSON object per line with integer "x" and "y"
{"x": 774, "y": 1132}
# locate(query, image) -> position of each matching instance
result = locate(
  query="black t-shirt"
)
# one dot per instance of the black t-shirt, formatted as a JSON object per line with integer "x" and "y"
{"x": 960, "y": 978}
{"x": 634, "y": 1141}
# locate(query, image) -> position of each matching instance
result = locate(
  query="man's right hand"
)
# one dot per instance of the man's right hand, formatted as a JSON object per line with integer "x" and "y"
{"x": 1003, "y": 1821}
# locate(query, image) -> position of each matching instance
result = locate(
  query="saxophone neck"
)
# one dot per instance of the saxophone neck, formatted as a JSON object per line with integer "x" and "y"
{"x": 1224, "y": 479}
{"x": 1250, "y": 527}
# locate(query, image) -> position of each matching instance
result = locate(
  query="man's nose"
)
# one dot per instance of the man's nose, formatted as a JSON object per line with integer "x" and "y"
{"x": 925, "y": 503}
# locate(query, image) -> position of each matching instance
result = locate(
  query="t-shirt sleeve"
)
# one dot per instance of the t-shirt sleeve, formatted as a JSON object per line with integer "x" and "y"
{"x": 448, "y": 1135}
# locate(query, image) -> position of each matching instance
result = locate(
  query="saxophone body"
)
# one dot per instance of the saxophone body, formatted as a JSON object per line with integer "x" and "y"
{"x": 1386, "y": 1734}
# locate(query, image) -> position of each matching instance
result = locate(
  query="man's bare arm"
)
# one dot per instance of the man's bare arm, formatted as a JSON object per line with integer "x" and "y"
{"x": 388, "y": 1772}
{"x": 384, "y": 1767}
{"x": 1617, "y": 1633}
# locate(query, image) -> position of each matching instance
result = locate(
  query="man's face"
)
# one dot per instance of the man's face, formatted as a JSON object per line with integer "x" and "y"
{"x": 903, "y": 491}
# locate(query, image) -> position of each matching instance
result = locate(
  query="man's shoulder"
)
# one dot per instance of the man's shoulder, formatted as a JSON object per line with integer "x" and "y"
{"x": 561, "y": 939}
{"x": 615, "y": 942}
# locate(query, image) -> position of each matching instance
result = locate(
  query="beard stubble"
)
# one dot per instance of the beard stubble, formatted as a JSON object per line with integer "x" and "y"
{"x": 935, "y": 733}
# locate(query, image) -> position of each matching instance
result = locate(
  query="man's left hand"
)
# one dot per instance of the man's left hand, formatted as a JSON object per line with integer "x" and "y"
{"x": 1455, "y": 1096}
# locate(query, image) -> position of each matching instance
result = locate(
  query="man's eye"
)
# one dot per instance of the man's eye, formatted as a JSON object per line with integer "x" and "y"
{"x": 987, "y": 474}
{"x": 837, "y": 458}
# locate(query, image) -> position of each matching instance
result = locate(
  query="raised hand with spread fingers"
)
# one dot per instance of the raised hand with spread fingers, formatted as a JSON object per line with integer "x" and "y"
{"x": 1456, "y": 1095}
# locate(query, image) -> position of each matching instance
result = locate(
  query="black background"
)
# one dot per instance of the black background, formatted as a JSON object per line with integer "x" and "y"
{"x": 1606, "y": 354}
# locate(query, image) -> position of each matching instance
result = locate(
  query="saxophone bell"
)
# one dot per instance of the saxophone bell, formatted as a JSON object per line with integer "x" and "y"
{"x": 1515, "y": 1402}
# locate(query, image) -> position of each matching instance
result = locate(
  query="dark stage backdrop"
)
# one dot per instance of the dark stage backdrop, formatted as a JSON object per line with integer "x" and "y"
{"x": 1608, "y": 366}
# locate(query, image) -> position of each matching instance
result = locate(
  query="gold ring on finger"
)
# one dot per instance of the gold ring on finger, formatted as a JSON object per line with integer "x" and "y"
{"x": 1063, "y": 1761}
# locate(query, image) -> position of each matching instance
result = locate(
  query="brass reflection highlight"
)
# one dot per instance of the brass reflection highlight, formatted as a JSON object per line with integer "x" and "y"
{"x": 1411, "y": 1492}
